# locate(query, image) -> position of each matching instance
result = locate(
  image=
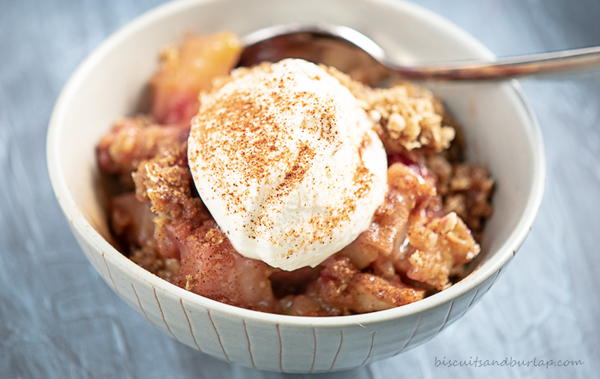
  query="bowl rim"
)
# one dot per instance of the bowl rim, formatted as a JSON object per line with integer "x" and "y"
{"x": 79, "y": 223}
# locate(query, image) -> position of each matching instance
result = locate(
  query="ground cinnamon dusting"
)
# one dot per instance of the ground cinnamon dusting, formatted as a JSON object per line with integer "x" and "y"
{"x": 243, "y": 132}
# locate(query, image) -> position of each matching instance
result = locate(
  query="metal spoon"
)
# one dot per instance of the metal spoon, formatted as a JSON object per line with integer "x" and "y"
{"x": 353, "y": 52}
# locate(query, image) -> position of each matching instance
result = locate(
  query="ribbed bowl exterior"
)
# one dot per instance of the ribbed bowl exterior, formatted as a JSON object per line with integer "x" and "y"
{"x": 271, "y": 346}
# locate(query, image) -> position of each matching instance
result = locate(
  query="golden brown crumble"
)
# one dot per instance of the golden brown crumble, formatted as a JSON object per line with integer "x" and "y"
{"x": 406, "y": 116}
{"x": 466, "y": 189}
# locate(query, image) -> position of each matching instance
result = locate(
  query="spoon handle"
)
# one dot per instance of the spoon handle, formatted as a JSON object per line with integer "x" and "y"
{"x": 505, "y": 68}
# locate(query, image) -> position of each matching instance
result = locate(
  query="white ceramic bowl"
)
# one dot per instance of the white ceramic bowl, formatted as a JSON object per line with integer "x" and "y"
{"x": 501, "y": 133}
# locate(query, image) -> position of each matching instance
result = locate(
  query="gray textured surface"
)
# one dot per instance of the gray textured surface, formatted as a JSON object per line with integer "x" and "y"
{"x": 58, "y": 319}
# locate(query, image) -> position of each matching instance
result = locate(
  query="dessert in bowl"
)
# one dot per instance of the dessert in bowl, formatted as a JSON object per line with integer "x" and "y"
{"x": 214, "y": 238}
{"x": 294, "y": 189}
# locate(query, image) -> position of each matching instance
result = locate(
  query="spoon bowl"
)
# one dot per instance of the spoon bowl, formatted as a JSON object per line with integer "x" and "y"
{"x": 339, "y": 46}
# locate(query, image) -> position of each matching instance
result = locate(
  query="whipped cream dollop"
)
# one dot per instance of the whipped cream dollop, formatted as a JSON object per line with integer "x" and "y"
{"x": 286, "y": 161}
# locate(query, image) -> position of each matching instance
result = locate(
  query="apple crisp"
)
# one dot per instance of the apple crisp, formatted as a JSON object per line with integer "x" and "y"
{"x": 418, "y": 242}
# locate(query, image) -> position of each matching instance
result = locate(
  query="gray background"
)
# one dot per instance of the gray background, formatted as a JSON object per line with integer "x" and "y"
{"x": 58, "y": 319}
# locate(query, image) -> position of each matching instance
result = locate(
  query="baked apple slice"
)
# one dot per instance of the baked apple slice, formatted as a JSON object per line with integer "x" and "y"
{"x": 185, "y": 70}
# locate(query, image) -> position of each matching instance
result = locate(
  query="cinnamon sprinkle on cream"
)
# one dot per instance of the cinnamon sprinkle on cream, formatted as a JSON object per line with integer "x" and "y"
{"x": 287, "y": 162}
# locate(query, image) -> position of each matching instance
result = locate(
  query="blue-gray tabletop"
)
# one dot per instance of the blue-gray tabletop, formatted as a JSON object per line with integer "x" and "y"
{"x": 59, "y": 320}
